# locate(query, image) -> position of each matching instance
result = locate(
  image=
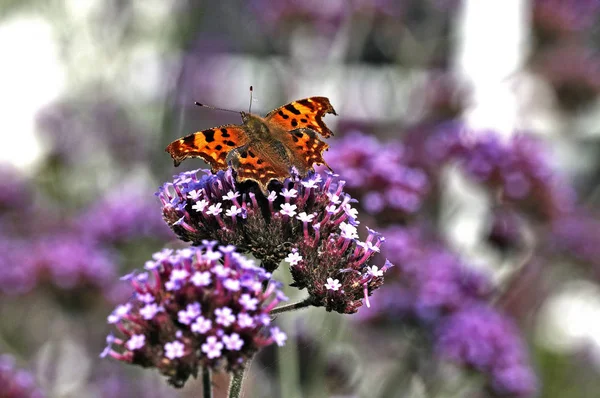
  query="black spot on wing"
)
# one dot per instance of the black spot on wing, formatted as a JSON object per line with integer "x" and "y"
{"x": 209, "y": 135}
{"x": 189, "y": 139}
{"x": 224, "y": 133}
{"x": 283, "y": 115}
{"x": 292, "y": 109}
{"x": 294, "y": 123}
{"x": 304, "y": 102}
{"x": 229, "y": 143}
{"x": 218, "y": 147}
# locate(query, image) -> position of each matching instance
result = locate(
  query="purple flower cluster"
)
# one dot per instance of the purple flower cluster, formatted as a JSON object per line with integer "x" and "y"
{"x": 18, "y": 270}
{"x": 481, "y": 338}
{"x": 71, "y": 261}
{"x": 14, "y": 192}
{"x": 65, "y": 261}
{"x": 378, "y": 176}
{"x": 577, "y": 235}
{"x": 197, "y": 307}
{"x": 441, "y": 97}
{"x": 121, "y": 216}
{"x": 435, "y": 291}
{"x": 16, "y": 383}
{"x": 337, "y": 275}
{"x": 429, "y": 280}
{"x": 519, "y": 171}
{"x": 298, "y": 219}
{"x": 65, "y": 128}
{"x": 558, "y": 17}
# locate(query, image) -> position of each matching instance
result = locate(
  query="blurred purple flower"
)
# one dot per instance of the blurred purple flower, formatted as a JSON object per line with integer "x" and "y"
{"x": 482, "y": 338}
{"x": 577, "y": 235}
{"x": 439, "y": 98}
{"x": 208, "y": 310}
{"x": 65, "y": 261}
{"x": 16, "y": 383}
{"x": 555, "y": 18}
{"x": 72, "y": 261}
{"x": 119, "y": 385}
{"x": 520, "y": 170}
{"x": 428, "y": 280}
{"x": 74, "y": 130}
{"x": 18, "y": 269}
{"x": 123, "y": 215}
{"x": 14, "y": 190}
{"x": 377, "y": 174}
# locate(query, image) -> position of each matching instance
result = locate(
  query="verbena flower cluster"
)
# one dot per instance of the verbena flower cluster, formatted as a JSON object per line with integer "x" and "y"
{"x": 378, "y": 176}
{"x": 122, "y": 215}
{"x": 578, "y": 236}
{"x": 483, "y": 339}
{"x": 14, "y": 192}
{"x": 435, "y": 291}
{"x": 64, "y": 261}
{"x": 519, "y": 171}
{"x": 197, "y": 307}
{"x": 558, "y": 17}
{"x": 309, "y": 222}
{"x": 16, "y": 383}
{"x": 18, "y": 273}
{"x": 428, "y": 281}
{"x": 515, "y": 170}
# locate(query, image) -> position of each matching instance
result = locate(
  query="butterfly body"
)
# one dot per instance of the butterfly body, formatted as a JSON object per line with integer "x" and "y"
{"x": 263, "y": 149}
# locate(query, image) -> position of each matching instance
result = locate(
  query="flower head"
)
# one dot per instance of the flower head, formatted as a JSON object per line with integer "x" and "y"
{"x": 336, "y": 274}
{"x": 378, "y": 175}
{"x": 17, "y": 382}
{"x": 520, "y": 170}
{"x": 429, "y": 280}
{"x": 482, "y": 338}
{"x": 307, "y": 222}
{"x": 123, "y": 215}
{"x": 267, "y": 227}
{"x": 195, "y": 320}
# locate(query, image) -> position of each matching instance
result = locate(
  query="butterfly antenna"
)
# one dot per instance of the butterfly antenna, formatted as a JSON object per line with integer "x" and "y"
{"x": 250, "y": 107}
{"x": 214, "y": 107}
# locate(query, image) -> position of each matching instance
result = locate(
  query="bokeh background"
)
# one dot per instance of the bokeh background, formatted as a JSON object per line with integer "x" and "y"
{"x": 467, "y": 130}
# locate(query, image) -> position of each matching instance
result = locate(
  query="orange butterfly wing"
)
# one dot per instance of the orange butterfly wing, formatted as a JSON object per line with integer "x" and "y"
{"x": 250, "y": 163}
{"x": 304, "y": 113}
{"x": 307, "y": 149}
{"x": 212, "y": 145}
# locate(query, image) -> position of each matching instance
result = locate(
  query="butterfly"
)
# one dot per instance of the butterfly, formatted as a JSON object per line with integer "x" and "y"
{"x": 263, "y": 149}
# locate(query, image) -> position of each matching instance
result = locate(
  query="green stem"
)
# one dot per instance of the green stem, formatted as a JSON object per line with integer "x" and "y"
{"x": 235, "y": 384}
{"x": 292, "y": 307}
{"x": 206, "y": 383}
